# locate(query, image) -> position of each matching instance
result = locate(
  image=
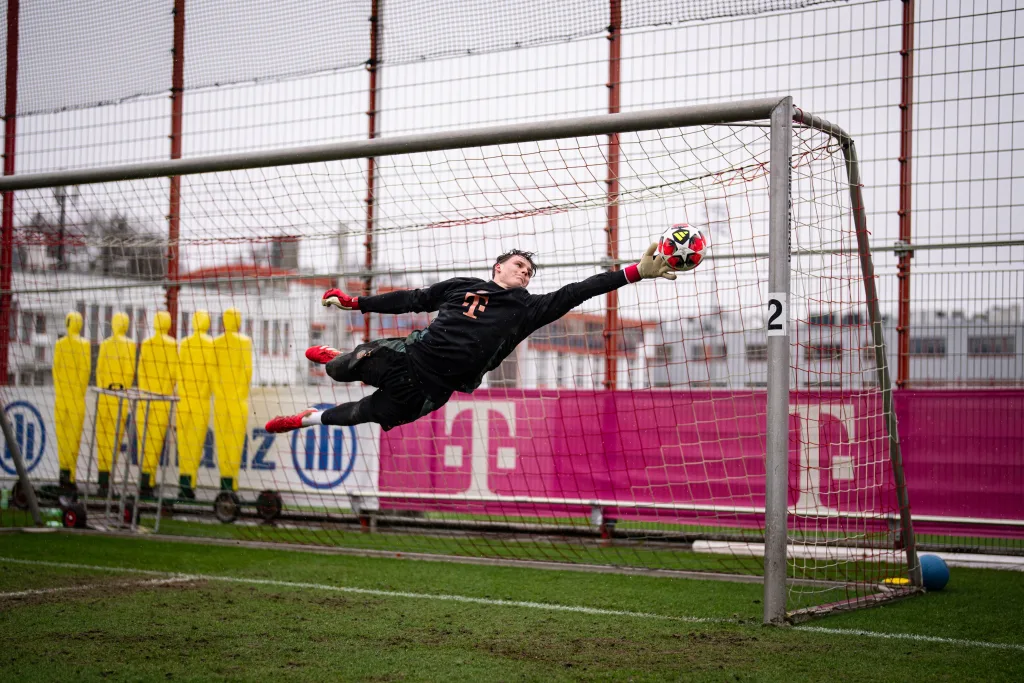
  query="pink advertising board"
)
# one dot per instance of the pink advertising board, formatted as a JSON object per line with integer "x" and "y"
{"x": 679, "y": 453}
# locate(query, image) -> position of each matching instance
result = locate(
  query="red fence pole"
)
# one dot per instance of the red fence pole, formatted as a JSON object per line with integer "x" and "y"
{"x": 906, "y": 182}
{"x": 611, "y": 316}
{"x": 7, "y": 236}
{"x": 371, "y": 162}
{"x": 174, "y": 212}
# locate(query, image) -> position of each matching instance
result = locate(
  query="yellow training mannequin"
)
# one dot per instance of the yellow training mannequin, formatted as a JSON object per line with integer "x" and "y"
{"x": 196, "y": 360}
{"x": 115, "y": 368}
{"x": 233, "y": 352}
{"x": 72, "y": 361}
{"x": 158, "y": 373}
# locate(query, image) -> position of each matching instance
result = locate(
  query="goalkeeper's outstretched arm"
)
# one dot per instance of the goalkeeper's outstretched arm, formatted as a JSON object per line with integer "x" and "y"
{"x": 401, "y": 301}
{"x": 548, "y": 308}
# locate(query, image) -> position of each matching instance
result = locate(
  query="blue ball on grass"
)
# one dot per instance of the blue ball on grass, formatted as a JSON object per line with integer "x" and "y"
{"x": 934, "y": 572}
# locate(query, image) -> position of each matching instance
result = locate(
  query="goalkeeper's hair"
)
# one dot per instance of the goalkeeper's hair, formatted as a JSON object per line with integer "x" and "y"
{"x": 528, "y": 255}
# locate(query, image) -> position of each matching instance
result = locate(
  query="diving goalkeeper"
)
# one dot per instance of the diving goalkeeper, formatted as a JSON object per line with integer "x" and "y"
{"x": 479, "y": 323}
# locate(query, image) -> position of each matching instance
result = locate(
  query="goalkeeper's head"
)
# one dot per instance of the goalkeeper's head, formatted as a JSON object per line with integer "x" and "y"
{"x": 514, "y": 268}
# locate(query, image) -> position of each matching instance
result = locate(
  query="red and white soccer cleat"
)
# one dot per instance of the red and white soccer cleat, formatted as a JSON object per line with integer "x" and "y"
{"x": 339, "y": 299}
{"x": 322, "y": 354}
{"x": 287, "y": 423}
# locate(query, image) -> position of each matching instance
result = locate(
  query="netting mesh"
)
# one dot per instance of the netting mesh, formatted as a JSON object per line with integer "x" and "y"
{"x": 94, "y": 53}
{"x": 90, "y": 53}
{"x": 537, "y": 463}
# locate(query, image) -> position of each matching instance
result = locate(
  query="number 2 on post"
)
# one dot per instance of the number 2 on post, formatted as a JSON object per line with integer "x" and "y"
{"x": 778, "y": 316}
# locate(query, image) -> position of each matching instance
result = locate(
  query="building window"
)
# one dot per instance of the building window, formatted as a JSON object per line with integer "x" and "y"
{"x": 506, "y": 374}
{"x": 248, "y": 328}
{"x": 12, "y": 331}
{"x": 757, "y": 352}
{"x": 594, "y": 335}
{"x": 707, "y": 351}
{"x": 561, "y": 370}
{"x": 94, "y": 324}
{"x": 265, "y": 338}
{"x": 287, "y": 337}
{"x": 852, "y": 319}
{"x": 40, "y": 323}
{"x": 927, "y": 346}
{"x": 40, "y": 354}
{"x": 140, "y": 323}
{"x": 824, "y": 352}
{"x": 183, "y": 328}
{"x": 27, "y": 320}
{"x": 543, "y": 374}
{"x": 277, "y": 338}
{"x": 316, "y": 334}
{"x": 108, "y": 317}
{"x": 822, "y": 319}
{"x": 662, "y": 355}
{"x": 991, "y": 346}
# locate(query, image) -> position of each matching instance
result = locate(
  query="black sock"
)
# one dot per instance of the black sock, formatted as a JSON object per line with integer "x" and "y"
{"x": 344, "y": 415}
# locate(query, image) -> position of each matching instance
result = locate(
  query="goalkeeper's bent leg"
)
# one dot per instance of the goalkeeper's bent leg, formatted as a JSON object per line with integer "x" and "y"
{"x": 347, "y": 366}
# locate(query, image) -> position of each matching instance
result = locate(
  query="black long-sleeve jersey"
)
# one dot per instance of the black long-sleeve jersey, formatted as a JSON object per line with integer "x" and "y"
{"x": 479, "y": 323}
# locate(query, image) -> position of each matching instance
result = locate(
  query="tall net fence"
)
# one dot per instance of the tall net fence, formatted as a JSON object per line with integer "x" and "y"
{"x": 963, "y": 344}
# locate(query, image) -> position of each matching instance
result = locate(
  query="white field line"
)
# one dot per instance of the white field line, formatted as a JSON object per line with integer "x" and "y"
{"x": 493, "y": 602}
{"x": 98, "y": 586}
{"x": 910, "y": 636}
{"x": 844, "y": 554}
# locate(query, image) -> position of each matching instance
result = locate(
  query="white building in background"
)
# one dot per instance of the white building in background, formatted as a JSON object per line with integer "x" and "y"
{"x": 276, "y": 315}
{"x": 832, "y": 349}
{"x": 282, "y": 314}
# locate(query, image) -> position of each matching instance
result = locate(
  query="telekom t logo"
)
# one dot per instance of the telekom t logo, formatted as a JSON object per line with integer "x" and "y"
{"x": 809, "y": 484}
{"x": 475, "y": 302}
{"x": 480, "y": 440}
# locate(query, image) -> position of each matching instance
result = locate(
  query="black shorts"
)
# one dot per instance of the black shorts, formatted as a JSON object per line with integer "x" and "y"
{"x": 384, "y": 364}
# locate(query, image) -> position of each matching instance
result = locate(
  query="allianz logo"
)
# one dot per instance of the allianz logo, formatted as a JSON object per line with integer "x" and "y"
{"x": 29, "y": 435}
{"x": 324, "y": 456}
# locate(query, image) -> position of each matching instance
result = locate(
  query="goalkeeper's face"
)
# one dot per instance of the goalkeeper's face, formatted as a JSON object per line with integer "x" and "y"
{"x": 515, "y": 272}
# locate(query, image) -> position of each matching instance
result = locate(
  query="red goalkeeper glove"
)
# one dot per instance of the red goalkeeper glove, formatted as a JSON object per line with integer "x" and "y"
{"x": 339, "y": 299}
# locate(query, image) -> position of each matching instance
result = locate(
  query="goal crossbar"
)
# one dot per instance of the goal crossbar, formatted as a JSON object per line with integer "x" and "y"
{"x": 605, "y": 124}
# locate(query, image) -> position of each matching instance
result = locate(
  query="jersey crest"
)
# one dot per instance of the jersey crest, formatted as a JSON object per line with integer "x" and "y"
{"x": 474, "y": 302}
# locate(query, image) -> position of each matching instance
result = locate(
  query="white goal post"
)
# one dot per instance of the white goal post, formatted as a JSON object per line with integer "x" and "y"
{"x": 816, "y": 236}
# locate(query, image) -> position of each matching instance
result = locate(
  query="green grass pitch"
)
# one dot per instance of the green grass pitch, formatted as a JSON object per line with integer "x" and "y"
{"x": 184, "y": 611}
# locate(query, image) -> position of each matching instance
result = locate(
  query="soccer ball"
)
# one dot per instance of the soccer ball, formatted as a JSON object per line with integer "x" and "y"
{"x": 683, "y": 247}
